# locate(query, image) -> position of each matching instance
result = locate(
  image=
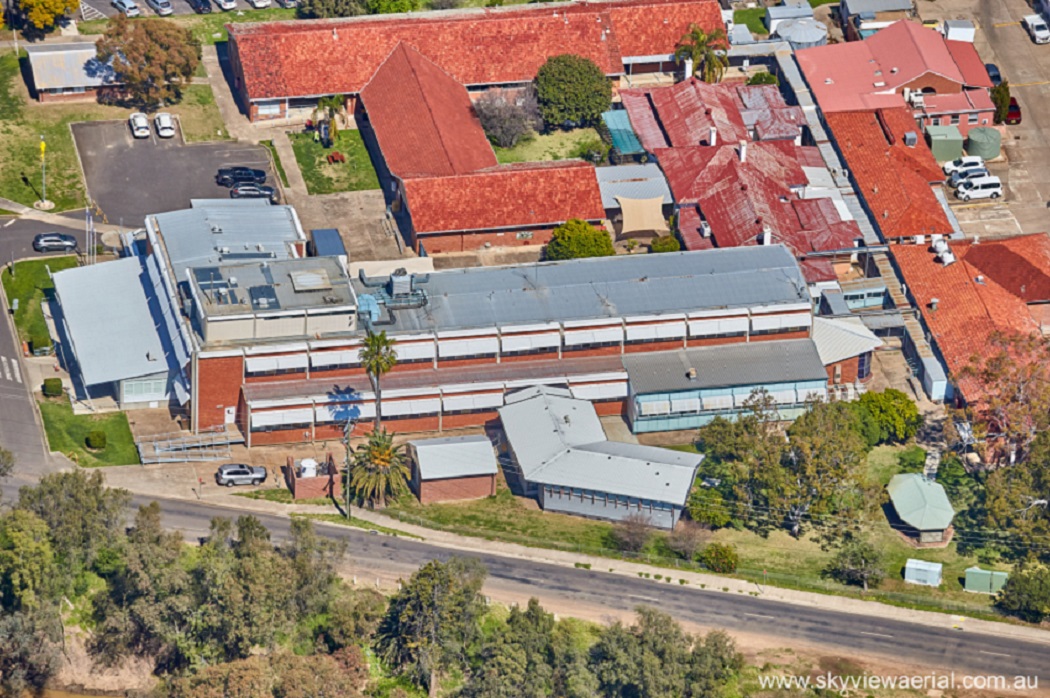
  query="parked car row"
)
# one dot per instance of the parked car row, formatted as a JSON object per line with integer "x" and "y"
{"x": 163, "y": 122}
{"x": 246, "y": 183}
{"x": 202, "y": 7}
{"x": 970, "y": 179}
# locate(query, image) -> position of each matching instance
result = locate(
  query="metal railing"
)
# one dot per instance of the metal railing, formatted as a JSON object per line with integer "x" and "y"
{"x": 180, "y": 447}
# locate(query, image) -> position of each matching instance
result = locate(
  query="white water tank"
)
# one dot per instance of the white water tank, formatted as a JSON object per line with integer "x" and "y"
{"x": 307, "y": 467}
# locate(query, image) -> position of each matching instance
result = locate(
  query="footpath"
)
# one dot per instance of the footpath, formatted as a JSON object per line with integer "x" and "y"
{"x": 159, "y": 481}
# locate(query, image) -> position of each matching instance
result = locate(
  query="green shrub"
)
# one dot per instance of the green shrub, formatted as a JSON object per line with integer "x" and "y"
{"x": 572, "y": 91}
{"x": 665, "y": 243}
{"x": 763, "y": 78}
{"x": 575, "y": 239}
{"x": 912, "y": 460}
{"x": 96, "y": 440}
{"x": 52, "y": 387}
{"x": 658, "y": 577}
{"x": 895, "y": 413}
{"x": 40, "y": 342}
{"x": 719, "y": 557}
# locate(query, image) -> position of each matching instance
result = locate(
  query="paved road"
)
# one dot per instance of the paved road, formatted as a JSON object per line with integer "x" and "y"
{"x": 853, "y": 635}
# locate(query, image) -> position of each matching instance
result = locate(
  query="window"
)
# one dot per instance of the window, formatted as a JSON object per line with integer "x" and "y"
{"x": 864, "y": 366}
{"x": 954, "y": 120}
{"x": 972, "y": 119}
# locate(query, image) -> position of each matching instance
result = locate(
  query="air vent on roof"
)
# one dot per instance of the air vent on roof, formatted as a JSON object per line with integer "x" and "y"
{"x": 215, "y": 229}
{"x": 879, "y": 83}
{"x": 829, "y": 81}
{"x": 911, "y": 139}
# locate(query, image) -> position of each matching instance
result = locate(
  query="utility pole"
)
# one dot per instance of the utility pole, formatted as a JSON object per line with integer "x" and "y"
{"x": 43, "y": 171}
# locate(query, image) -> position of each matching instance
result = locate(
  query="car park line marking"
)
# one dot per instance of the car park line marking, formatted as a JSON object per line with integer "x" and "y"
{"x": 876, "y": 634}
{"x": 10, "y": 222}
{"x": 1030, "y": 84}
{"x": 7, "y": 370}
{"x": 759, "y": 615}
{"x": 1007, "y": 24}
{"x": 994, "y": 654}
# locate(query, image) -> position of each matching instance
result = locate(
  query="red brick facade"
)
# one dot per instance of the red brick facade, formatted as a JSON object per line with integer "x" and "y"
{"x": 464, "y": 242}
{"x": 456, "y": 489}
{"x": 218, "y": 387}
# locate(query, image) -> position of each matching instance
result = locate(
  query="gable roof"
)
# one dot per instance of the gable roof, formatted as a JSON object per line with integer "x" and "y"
{"x": 867, "y": 74}
{"x": 505, "y": 197}
{"x": 445, "y": 136}
{"x": 838, "y": 339}
{"x": 454, "y": 456}
{"x": 485, "y": 46}
{"x": 921, "y": 503}
{"x": 968, "y": 311}
{"x": 1021, "y": 265}
{"x": 559, "y": 440}
{"x": 75, "y": 64}
{"x": 893, "y": 178}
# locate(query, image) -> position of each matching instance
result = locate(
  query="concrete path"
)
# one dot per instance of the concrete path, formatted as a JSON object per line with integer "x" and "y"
{"x": 237, "y": 124}
{"x": 296, "y": 191}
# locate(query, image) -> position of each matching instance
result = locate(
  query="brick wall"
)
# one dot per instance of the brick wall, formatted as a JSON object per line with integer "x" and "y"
{"x": 314, "y": 487}
{"x": 667, "y": 345}
{"x": 800, "y": 334}
{"x": 88, "y": 95}
{"x": 848, "y": 368}
{"x": 715, "y": 341}
{"x": 940, "y": 84}
{"x": 459, "y": 488}
{"x": 218, "y": 387}
{"x": 463, "y": 242}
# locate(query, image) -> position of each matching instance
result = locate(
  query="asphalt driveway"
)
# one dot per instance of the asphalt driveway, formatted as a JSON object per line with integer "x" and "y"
{"x": 131, "y": 178}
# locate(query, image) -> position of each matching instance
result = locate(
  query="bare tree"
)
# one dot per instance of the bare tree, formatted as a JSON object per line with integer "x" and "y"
{"x": 508, "y": 115}
{"x": 633, "y": 532}
{"x": 687, "y": 538}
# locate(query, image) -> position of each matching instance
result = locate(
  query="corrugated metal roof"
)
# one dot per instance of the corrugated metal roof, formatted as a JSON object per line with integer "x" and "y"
{"x": 198, "y": 236}
{"x": 751, "y": 363}
{"x": 855, "y": 7}
{"x": 454, "y": 456}
{"x": 559, "y": 441}
{"x": 921, "y": 503}
{"x": 632, "y": 181}
{"x": 107, "y": 315}
{"x": 623, "y": 138}
{"x": 606, "y": 287}
{"x": 838, "y": 339}
{"x": 68, "y": 65}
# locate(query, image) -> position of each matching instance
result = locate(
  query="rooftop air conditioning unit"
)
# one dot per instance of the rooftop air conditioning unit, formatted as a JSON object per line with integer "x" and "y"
{"x": 705, "y": 229}
{"x": 946, "y": 257}
{"x": 911, "y": 139}
{"x": 940, "y": 246}
{"x": 917, "y": 100}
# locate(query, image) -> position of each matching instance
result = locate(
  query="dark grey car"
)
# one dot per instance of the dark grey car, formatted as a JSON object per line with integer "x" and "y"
{"x": 240, "y": 474}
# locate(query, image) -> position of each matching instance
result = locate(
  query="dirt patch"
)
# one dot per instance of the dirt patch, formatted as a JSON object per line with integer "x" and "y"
{"x": 79, "y": 673}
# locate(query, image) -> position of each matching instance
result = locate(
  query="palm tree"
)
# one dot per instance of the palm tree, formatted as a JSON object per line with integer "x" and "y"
{"x": 378, "y": 471}
{"x": 706, "y": 51}
{"x": 378, "y": 357}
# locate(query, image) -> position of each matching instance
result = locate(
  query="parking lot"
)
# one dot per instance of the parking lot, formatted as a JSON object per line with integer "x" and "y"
{"x": 131, "y": 178}
{"x": 179, "y": 7}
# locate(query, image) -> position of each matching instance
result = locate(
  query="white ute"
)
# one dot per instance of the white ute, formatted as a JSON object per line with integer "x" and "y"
{"x": 1037, "y": 29}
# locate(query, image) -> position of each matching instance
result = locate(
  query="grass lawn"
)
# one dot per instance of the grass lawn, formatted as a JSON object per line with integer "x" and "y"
{"x": 355, "y": 174}
{"x": 276, "y": 161}
{"x": 23, "y": 121}
{"x": 752, "y": 18}
{"x": 505, "y": 517}
{"x": 207, "y": 29}
{"x": 557, "y": 145}
{"x": 29, "y": 284}
{"x": 282, "y": 496}
{"x": 356, "y": 523}
{"x": 882, "y": 463}
{"x": 817, "y": 3}
{"x": 66, "y": 433}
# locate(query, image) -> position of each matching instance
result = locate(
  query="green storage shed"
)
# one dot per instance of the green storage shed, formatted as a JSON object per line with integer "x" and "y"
{"x": 984, "y": 581}
{"x": 946, "y": 142}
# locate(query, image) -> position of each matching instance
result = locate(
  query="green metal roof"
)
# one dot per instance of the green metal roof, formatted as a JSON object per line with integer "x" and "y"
{"x": 921, "y": 503}
{"x": 623, "y": 137}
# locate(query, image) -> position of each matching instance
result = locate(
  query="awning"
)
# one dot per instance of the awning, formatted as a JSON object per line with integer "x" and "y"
{"x": 642, "y": 216}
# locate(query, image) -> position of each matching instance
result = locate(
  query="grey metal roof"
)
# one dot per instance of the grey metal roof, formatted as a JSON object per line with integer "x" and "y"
{"x": 632, "y": 181}
{"x": 921, "y": 503}
{"x": 454, "y": 456}
{"x": 559, "y": 441}
{"x": 605, "y": 287}
{"x": 838, "y": 339}
{"x": 107, "y": 314}
{"x": 288, "y": 284}
{"x": 750, "y": 363}
{"x": 788, "y": 12}
{"x": 855, "y": 7}
{"x": 68, "y": 65}
{"x": 230, "y": 231}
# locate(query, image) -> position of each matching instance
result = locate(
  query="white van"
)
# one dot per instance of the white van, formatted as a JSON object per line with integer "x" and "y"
{"x": 980, "y": 188}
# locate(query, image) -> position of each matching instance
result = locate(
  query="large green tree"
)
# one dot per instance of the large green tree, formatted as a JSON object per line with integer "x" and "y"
{"x": 572, "y": 91}
{"x": 857, "y": 561}
{"x": 1027, "y": 592}
{"x": 433, "y": 620}
{"x": 378, "y": 471}
{"x": 896, "y": 415}
{"x": 378, "y": 357}
{"x": 327, "y": 9}
{"x": 576, "y": 239}
{"x": 706, "y": 51}
{"x": 1017, "y": 496}
{"x": 27, "y": 563}
{"x": 386, "y": 7}
{"x": 519, "y": 661}
{"x": 153, "y": 58}
{"x": 30, "y": 650}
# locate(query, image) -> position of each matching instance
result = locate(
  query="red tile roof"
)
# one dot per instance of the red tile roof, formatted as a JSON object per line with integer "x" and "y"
{"x": 968, "y": 312}
{"x": 893, "y": 178}
{"x": 445, "y": 137}
{"x": 505, "y": 197}
{"x": 1021, "y": 265}
{"x": 866, "y": 74}
{"x": 683, "y": 114}
{"x": 306, "y": 58}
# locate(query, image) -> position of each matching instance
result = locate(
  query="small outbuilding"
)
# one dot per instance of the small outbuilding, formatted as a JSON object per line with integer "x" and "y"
{"x": 69, "y": 71}
{"x": 946, "y": 142}
{"x": 923, "y": 572}
{"x": 790, "y": 9}
{"x": 981, "y": 581}
{"x": 452, "y": 468}
{"x": 922, "y": 507}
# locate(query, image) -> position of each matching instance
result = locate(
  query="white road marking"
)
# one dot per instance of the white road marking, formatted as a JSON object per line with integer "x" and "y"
{"x": 759, "y": 615}
{"x": 875, "y": 634}
{"x": 16, "y": 370}
{"x": 994, "y": 654}
{"x": 7, "y": 369}
{"x": 10, "y": 222}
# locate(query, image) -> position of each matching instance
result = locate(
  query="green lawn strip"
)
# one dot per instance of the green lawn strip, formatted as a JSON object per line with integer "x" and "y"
{"x": 356, "y": 174}
{"x": 882, "y": 463}
{"x": 29, "y": 285}
{"x": 199, "y": 115}
{"x": 282, "y": 496}
{"x": 817, "y": 3}
{"x": 752, "y": 18}
{"x": 207, "y": 29}
{"x": 276, "y": 161}
{"x": 66, "y": 433}
{"x": 684, "y": 448}
{"x": 556, "y": 145}
{"x": 356, "y": 523}
{"x": 5, "y": 212}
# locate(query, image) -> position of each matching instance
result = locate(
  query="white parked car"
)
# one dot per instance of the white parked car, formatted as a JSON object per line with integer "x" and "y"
{"x": 960, "y": 176}
{"x": 161, "y": 7}
{"x": 963, "y": 163}
{"x": 128, "y": 7}
{"x": 259, "y": 4}
{"x": 1037, "y": 29}
{"x": 980, "y": 188}
{"x": 165, "y": 125}
{"x": 226, "y": 5}
{"x": 139, "y": 125}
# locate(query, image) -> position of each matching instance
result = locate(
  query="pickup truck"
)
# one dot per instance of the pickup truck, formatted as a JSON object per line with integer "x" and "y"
{"x": 1037, "y": 29}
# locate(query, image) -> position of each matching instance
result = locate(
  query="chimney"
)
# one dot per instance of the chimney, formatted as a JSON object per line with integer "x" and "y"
{"x": 688, "y": 68}
{"x": 767, "y": 236}
{"x": 712, "y": 136}
{"x": 743, "y": 151}
{"x": 933, "y": 304}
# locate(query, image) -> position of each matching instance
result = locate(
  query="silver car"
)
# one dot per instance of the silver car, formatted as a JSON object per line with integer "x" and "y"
{"x": 127, "y": 7}
{"x": 139, "y": 125}
{"x": 960, "y": 176}
{"x": 165, "y": 125}
{"x": 240, "y": 474}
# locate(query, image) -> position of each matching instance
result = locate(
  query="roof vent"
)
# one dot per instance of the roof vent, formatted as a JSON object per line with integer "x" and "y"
{"x": 829, "y": 81}
{"x": 911, "y": 139}
{"x": 940, "y": 246}
{"x": 879, "y": 83}
{"x": 335, "y": 35}
{"x": 215, "y": 228}
{"x": 947, "y": 258}
{"x": 980, "y": 279}
{"x": 934, "y": 302}
{"x": 691, "y": 374}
